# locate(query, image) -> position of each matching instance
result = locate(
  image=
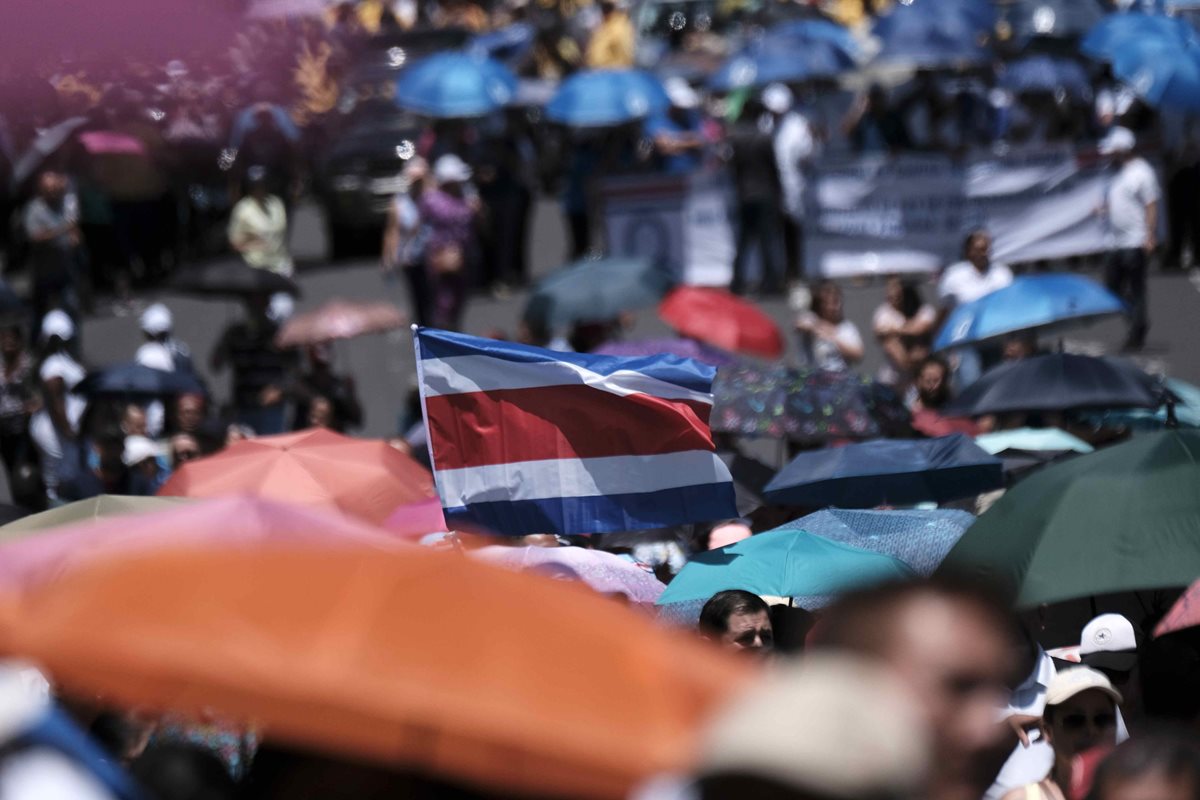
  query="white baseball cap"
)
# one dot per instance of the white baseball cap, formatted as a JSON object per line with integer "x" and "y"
{"x": 1117, "y": 140}
{"x": 777, "y": 98}
{"x": 157, "y": 320}
{"x": 57, "y": 323}
{"x": 680, "y": 93}
{"x": 1067, "y": 683}
{"x": 1110, "y": 642}
{"x": 451, "y": 169}
{"x": 139, "y": 448}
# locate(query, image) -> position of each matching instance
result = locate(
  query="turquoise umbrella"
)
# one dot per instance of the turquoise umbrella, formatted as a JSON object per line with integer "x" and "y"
{"x": 1036, "y": 440}
{"x": 791, "y": 563}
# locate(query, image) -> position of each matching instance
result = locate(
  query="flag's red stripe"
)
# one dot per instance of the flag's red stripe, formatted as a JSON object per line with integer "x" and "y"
{"x": 473, "y": 429}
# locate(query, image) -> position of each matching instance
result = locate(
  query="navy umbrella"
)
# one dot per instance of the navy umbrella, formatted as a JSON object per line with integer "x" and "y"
{"x": 929, "y": 33}
{"x": 1058, "y": 382}
{"x": 135, "y": 379}
{"x": 887, "y": 472}
{"x": 1049, "y": 74}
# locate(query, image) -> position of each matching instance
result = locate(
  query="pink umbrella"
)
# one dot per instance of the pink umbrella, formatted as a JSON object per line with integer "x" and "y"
{"x": 339, "y": 319}
{"x": 604, "y": 572}
{"x": 111, "y": 143}
{"x": 228, "y": 520}
{"x": 416, "y": 519}
{"x": 1184, "y": 614}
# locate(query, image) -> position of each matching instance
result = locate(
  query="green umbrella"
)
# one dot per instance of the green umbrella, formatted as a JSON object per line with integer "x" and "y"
{"x": 1121, "y": 519}
{"x": 791, "y": 563}
{"x": 99, "y": 507}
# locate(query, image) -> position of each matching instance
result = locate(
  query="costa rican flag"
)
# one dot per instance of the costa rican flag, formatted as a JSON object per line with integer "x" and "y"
{"x": 525, "y": 440}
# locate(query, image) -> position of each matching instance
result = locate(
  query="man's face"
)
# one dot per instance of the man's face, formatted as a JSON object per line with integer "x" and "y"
{"x": 749, "y": 631}
{"x": 189, "y": 412}
{"x": 980, "y": 251}
{"x": 1082, "y": 722}
{"x": 958, "y": 662}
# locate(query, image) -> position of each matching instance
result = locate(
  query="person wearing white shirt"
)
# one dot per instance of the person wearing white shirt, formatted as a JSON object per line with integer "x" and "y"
{"x": 828, "y": 340}
{"x": 1131, "y": 208}
{"x": 794, "y": 144}
{"x": 965, "y": 282}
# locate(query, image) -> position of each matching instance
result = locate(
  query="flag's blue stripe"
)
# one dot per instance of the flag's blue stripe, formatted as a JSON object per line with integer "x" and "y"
{"x": 601, "y": 513}
{"x": 680, "y": 371}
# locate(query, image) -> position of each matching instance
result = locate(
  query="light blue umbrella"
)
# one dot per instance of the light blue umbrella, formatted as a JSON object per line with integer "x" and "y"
{"x": 920, "y": 538}
{"x": 455, "y": 85}
{"x": 1035, "y": 440}
{"x": 1037, "y": 303}
{"x": 935, "y": 33}
{"x": 783, "y": 61}
{"x": 1106, "y": 40}
{"x": 507, "y": 44}
{"x": 1165, "y": 74}
{"x": 1186, "y": 408}
{"x": 606, "y": 98}
{"x": 785, "y": 564}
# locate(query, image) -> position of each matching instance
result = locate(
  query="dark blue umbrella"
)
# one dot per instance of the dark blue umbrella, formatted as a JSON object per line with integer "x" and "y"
{"x": 606, "y": 98}
{"x": 935, "y": 33}
{"x": 920, "y": 538}
{"x": 135, "y": 379}
{"x": 455, "y": 85}
{"x": 1051, "y": 19}
{"x": 887, "y": 472}
{"x": 1058, "y": 382}
{"x": 807, "y": 32}
{"x": 1048, "y": 74}
{"x": 596, "y": 291}
{"x": 1037, "y": 303}
{"x": 771, "y": 61}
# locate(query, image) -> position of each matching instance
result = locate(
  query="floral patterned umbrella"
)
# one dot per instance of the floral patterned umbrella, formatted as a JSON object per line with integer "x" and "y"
{"x": 805, "y": 405}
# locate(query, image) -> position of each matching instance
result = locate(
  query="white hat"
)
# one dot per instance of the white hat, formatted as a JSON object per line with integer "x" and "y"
{"x": 451, "y": 169}
{"x": 57, "y": 323}
{"x": 1109, "y": 641}
{"x": 157, "y": 320}
{"x": 1069, "y": 682}
{"x": 139, "y": 448}
{"x": 830, "y": 725}
{"x": 777, "y": 98}
{"x": 1117, "y": 140}
{"x": 680, "y": 93}
{"x": 281, "y": 308}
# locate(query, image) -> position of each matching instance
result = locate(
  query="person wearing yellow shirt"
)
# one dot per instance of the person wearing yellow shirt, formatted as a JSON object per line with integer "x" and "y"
{"x": 612, "y": 43}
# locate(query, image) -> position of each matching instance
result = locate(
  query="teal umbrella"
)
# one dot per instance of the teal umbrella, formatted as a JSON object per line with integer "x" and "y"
{"x": 784, "y": 564}
{"x": 596, "y": 291}
{"x": 1036, "y": 440}
{"x": 1124, "y": 518}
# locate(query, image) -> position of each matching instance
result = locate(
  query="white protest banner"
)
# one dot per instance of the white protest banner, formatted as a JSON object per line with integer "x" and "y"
{"x": 909, "y": 213}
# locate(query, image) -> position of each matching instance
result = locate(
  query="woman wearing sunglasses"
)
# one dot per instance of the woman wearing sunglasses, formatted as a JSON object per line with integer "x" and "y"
{"x": 1081, "y": 713}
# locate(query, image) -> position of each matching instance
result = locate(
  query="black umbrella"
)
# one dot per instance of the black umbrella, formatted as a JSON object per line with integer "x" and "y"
{"x": 233, "y": 278}
{"x": 1058, "y": 382}
{"x": 750, "y": 476}
{"x": 136, "y": 379}
{"x": 44, "y": 145}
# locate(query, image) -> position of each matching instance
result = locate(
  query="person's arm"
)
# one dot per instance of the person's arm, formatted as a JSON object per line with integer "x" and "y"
{"x": 849, "y": 343}
{"x": 391, "y": 240}
{"x": 220, "y": 353}
{"x": 1151, "y": 226}
{"x": 350, "y": 409}
{"x": 56, "y": 406}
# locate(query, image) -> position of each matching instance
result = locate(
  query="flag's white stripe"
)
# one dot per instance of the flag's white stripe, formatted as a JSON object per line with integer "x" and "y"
{"x": 458, "y": 374}
{"x": 579, "y": 477}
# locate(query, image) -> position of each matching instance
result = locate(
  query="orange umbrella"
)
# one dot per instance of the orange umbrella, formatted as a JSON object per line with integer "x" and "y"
{"x": 338, "y": 319}
{"x": 418, "y": 659}
{"x": 722, "y": 319}
{"x": 365, "y": 478}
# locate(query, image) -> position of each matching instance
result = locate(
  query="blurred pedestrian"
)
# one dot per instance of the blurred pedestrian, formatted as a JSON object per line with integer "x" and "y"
{"x": 261, "y": 371}
{"x": 903, "y": 325}
{"x": 404, "y": 237}
{"x": 964, "y": 282}
{"x": 795, "y": 145}
{"x": 612, "y": 43}
{"x": 828, "y": 340}
{"x": 931, "y": 382}
{"x": 191, "y": 417}
{"x": 449, "y": 211}
{"x": 161, "y": 346}
{"x": 55, "y": 427}
{"x": 737, "y": 620}
{"x": 678, "y": 132}
{"x": 336, "y": 394}
{"x": 258, "y": 226}
{"x": 873, "y": 126}
{"x": 52, "y": 228}
{"x": 1162, "y": 764}
{"x": 1131, "y": 208}
{"x": 17, "y": 400}
{"x": 759, "y": 197}
{"x": 146, "y": 461}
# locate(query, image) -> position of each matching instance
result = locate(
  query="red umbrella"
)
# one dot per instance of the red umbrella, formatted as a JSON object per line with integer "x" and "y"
{"x": 365, "y": 478}
{"x": 1184, "y": 614}
{"x": 339, "y": 319}
{"x": 720, "y": 318}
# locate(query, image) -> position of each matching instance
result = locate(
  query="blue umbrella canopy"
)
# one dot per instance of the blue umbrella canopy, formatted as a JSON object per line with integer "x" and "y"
{"x": 935, "y": 33}
{"x": 1042, "y": 73}
{"x": 785, "y": 564}
{"x": 887, "y": 472}
{"x": 1117, "y": 32}
{"x": 1037, "y": 303}
{"x": 769, "y": 62}
{"x": 507, "y": 44}
{"x": 454, "y": 85}
{"x": 596, "y": 291}
{"x": 807, "y": 32}
{"x": 135, "y": 379}
{"x": 1163, "y": 73}
{"x": 1056, "y": 19}
{"x": 920, "y": 538}
{"x": 605, "y": 98}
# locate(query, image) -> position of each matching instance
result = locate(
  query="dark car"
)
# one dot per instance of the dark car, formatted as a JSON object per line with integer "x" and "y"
{"x": 371, "y": 139}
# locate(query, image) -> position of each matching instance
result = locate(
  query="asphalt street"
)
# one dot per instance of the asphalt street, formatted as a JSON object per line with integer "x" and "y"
{"x": 383, "y": 365}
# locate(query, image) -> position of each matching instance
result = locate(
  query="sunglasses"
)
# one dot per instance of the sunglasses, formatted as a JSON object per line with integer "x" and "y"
{"x": 1077, "y": 722}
